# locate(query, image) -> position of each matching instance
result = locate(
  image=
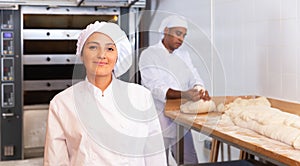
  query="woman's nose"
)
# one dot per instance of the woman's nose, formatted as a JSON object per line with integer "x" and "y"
{"x": 101, "y": 55}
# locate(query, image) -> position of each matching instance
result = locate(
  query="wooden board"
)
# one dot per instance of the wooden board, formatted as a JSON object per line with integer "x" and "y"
{"x": 245, "y": 139}
{"x": 175, "y": 104}
{"x": 290, "y": 107}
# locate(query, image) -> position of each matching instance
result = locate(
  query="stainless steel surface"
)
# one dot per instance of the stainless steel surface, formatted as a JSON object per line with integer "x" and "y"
{"x": 55, "y": 3}
{"x": 50, "y": 34}
{"x": 9, "y": 6}
{"x": 123, "y": 3}
{"x": 34, "y": 129}
{"x": 48, "y": 85}
{"x": 50, "y": 59}
{"x": 4, "y": 115}
{"x": 69, "y": 10}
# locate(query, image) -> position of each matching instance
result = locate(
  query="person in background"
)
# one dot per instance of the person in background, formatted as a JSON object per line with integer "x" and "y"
{"x": 167, "y": 70}
{"x": 103, "y": 120}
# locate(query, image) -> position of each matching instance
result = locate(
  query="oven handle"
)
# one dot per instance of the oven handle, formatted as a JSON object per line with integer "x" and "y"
{"x": 40, "y": 85}
{"x": 5, "y": 115}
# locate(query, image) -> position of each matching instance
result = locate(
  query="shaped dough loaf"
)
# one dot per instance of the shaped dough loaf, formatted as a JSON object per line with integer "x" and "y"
{"x": 199, "y": 106}
{"x": 258, "y": 115}
{"x": 296, "y": 143}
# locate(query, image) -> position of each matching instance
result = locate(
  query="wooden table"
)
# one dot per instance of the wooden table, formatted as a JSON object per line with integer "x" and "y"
{"x": 247, "y": 140}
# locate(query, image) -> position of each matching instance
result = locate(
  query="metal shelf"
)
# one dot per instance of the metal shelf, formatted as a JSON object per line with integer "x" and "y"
{"x": 48, "y": 85}
{"x": 50, "y": 34}
{"x": 45, "y": 59}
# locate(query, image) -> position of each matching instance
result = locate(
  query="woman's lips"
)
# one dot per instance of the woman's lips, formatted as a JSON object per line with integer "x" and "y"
{"x": 101, "y": 63}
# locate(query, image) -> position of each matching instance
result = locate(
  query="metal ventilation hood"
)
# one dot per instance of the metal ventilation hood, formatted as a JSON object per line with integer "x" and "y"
{"x": 115, "y": 3}
{"x": 95, "y": 3}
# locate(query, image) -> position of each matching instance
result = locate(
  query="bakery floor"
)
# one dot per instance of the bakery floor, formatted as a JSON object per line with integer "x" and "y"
{"x": 26, "y": 162}
{"x": 38, "y": 161}
{"x": 32, "y": 157}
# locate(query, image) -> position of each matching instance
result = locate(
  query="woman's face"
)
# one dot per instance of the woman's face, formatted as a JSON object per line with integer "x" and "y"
{"x": 99, "y": 55}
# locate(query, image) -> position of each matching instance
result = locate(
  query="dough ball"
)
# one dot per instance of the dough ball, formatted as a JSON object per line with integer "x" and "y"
{"x": 199, "y": 106}
{"x": 220, "y": 107}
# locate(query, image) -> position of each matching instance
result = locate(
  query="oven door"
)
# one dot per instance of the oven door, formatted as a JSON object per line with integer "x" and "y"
{"x": 43, "y": 82}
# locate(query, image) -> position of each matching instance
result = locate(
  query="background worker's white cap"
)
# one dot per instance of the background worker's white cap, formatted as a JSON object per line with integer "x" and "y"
{"x": 120, "y": 39}
{"x": 173, "y": 21}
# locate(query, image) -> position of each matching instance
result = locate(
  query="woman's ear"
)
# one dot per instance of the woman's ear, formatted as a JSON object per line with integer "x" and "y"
{"x": 81, "y": 55}
{"x": 81, "y": 58}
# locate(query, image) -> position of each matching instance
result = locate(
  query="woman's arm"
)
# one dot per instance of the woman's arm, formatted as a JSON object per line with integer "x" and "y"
{"x": 55, "y": 152}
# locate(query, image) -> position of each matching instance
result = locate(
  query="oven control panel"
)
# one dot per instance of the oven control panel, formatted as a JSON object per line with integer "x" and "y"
{"x": 7, "y": 69}
{"x": 11, "y": 86}
{"x": 7, "y": 43}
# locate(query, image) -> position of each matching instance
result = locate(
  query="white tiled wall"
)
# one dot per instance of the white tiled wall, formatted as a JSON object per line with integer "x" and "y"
{"x": 257, "y": 43}
{"x": 274, "y": 45}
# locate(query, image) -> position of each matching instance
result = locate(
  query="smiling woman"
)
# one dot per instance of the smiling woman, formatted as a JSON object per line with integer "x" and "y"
{"x": 86, "y": 127}
{"x": 99, "y": 56}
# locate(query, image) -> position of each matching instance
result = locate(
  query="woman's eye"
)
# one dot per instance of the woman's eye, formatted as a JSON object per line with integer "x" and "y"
{"x": 110, "y": 49}
{"x": 92, "y": 47}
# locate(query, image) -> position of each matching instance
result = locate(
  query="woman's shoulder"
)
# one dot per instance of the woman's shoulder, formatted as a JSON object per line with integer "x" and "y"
{"x": 68, "y": 92}
{"x": 137, "y": 95}
{"x": 134, "y": 87}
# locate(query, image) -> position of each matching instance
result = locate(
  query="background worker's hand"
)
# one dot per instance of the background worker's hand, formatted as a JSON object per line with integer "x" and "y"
{"x": 204, "y": 95}
{"x": 195, "y": 95}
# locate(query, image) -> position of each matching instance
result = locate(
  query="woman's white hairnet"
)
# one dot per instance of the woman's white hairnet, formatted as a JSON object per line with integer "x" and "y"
{"x": 173, "y": 21}
{"x": 117, "y": 35}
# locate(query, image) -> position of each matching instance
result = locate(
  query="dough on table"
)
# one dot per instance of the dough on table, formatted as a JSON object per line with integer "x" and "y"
{"x": 220, "y": 107}
{"x": 258, "y": 115}
{"x": 282, "y": 133}
{"x": 199, "y": 106}
{"x": 296, "y": 143}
